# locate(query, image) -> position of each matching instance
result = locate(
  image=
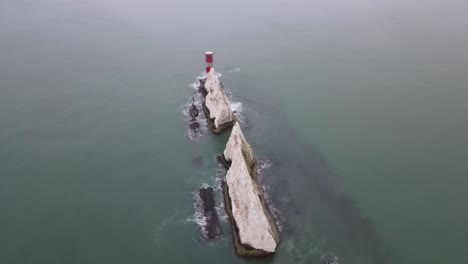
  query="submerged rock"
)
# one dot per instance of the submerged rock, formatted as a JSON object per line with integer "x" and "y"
{"x": 216, "y": 106}
{"x": 212, "y": 226}
{"x": 198, "y": 161}
{"x": 254, "y": 230}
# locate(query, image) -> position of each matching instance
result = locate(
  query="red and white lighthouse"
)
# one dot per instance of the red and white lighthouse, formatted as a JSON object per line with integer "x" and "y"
{"x": 209, "y": 60}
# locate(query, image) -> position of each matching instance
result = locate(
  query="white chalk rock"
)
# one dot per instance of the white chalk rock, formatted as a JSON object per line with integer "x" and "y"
{"x": 255, "y": 229}
{"x": 216, "y": 100}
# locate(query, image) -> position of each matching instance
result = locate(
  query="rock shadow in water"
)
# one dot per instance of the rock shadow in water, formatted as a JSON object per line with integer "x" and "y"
{"x": 319, "y": 219}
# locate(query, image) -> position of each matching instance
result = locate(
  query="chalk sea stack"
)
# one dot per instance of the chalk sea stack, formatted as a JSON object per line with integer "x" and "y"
{"x": 253, "y": 227}
{"x": 216, "y": 105}
{"x": 212, "y": 227}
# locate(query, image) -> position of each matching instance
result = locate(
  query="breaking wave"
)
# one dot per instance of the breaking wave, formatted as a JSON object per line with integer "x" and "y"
{"x": 198, "y": 216}
{"x": 262, "y": 164}
{"x": 195, "y": 85}
{"x": 236, "y": 106}
{"x": 233, "y": 70}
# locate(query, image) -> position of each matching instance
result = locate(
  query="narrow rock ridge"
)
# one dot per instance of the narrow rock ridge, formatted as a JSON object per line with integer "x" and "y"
{"x": 216, "y": 105}
{"x": 212, "y": 226}
{"x": 254, "y": 230}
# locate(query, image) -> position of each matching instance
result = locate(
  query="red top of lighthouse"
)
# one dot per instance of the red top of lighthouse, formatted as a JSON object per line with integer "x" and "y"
{"x": 209, "y": 56}
{"x": 209, "y": 60}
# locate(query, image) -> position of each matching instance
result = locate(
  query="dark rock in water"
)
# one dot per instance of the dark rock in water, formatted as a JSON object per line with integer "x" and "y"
{"x": 201, "y": 88}
{"x": 222, "y": 160}
{"x": 193, "y": 110}
{"x": 207, "y": 196}
{"x": 194, "y": 125}
{"x": 212, "y": 227}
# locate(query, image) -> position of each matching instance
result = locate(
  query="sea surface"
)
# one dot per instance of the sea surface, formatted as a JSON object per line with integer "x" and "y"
{"x": 357, "y": 112}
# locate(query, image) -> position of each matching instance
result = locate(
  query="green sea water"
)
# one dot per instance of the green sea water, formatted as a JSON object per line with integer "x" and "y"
{"x": 357, "y": 111}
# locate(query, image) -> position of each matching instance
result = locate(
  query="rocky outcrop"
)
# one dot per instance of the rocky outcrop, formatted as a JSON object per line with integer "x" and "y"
{"x": 193, "y": 110}
{"x": 193, "y": 125}
{"x": 212, "y": 227}
{"x": 254, "y": 230}
{"x": 216, "y": 105}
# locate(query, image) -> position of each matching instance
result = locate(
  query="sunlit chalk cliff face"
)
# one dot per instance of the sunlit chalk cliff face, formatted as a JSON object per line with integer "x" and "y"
{"x": 216, "y": 106}
{"x": 254, "y": 231}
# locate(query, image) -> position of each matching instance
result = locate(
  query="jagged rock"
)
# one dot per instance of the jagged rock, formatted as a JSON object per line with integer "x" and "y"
{"x": 193, "y": 110}
{"x": 194, "y": 126}
{"x": 201, "y": 87}
{"x": 212, "y": 226}
{"x": 223, "y": 161}
{"x": 216, "y": 105}
{"x": 254, "y": 230}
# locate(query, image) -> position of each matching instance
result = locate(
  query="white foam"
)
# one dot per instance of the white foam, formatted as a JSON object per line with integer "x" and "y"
{"x": 223, "y": 217}
{"x": 233, "y": 70}
{"x": 277, "y": 214}
{"x": 236, "y": 107}
{"x": 195, "y": 85}
{"x": 198, "y": 216}
{"x": 217, "y": 183}
{"x": 262, "y": 164}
